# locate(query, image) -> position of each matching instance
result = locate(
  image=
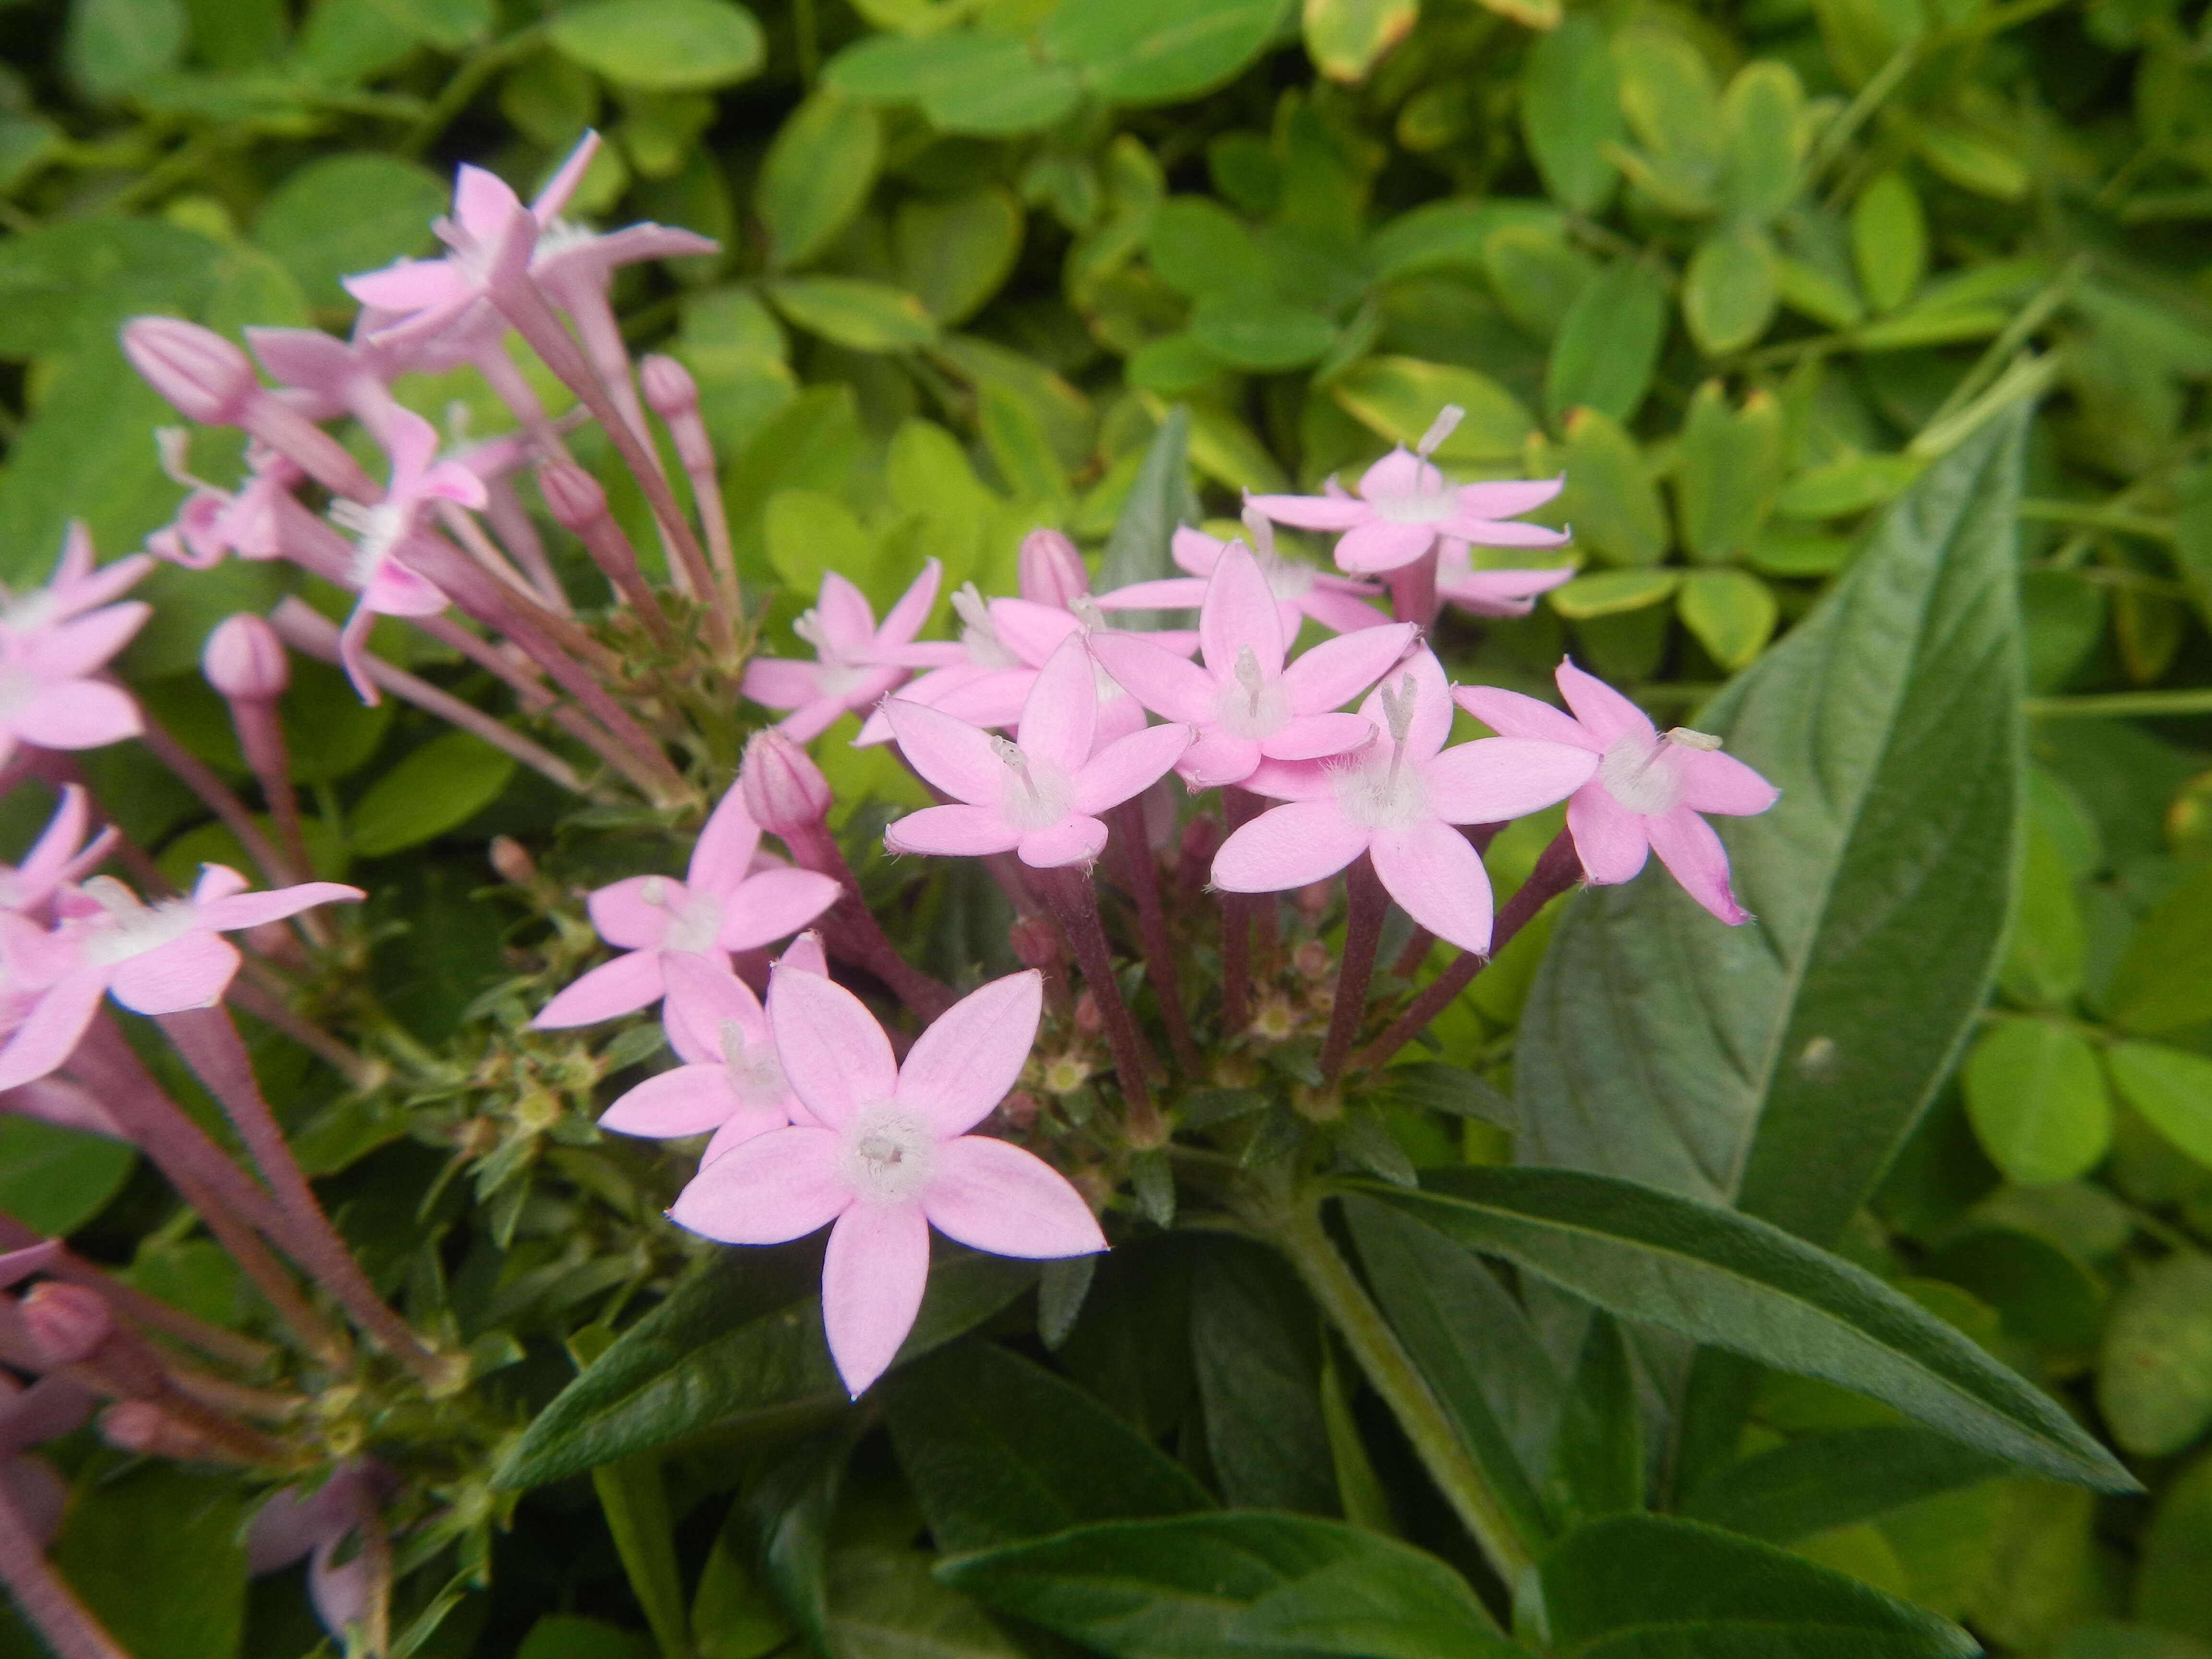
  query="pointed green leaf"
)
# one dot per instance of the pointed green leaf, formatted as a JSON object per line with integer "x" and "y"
{"x": 1837, "y": 1481}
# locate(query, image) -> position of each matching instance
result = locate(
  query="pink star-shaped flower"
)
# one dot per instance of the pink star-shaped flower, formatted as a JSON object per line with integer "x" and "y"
{"x": 889, "y": 1156}
{"x": 1648, "y": 788}
{"x": 1396, "y": 800}
{"x": 1404, "y": 507}
{"x": 856, "y": 661}
{"x": 54, "y": 639}
{"x": 158, "y": 958}
{"x": 1337, "y": 602}
{"x": 1244, "y": 703}
{"x": 722, "y": 904}
{"x": 60, "y": 855}
{"x": 1040, "y": 795}
{"x": 730, "y": 1082}
{"x": 1490, "y": 592}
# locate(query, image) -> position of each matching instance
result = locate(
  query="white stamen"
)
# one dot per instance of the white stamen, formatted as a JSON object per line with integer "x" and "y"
{"x": 653, "y": 889}
{"x": 1682, "y": 738}
{"x": 1398, "y": 710}
{"x": 977, "y": 636}
{"x": 1248, "y": 672}
{"x": 174, "y": 445}
{"x": 1439, "y": 429}
{"x": 1037, "y": 794}
{"x": 1260, "y": 529}
{"x": 1377, "y": 794}
{"x": 889, "y": 1153}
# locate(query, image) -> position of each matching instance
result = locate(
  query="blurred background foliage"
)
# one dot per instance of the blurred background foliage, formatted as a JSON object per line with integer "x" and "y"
{"x": 1741, "y": 271}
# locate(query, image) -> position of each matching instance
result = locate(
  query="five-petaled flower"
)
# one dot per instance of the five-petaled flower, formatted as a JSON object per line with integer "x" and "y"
{"x": 889, "y": 1155}
{"x": 1337, "y": 602}
{"x": 1648, "y": 788}
{"x": 54, "y": 639}
{"x": 856, "y": 660}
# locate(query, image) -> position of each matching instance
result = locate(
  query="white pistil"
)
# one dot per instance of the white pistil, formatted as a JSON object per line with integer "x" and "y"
{"x": 754, "y": 1071}
{"x": 1446, "y": 421}
{"x": 889, "y": 1153}
{"x": 1037, "y": 794}
{"x": 1638, "y": 772}
{"x": 1250, "y": 676}
{"x": 375, "y": 530}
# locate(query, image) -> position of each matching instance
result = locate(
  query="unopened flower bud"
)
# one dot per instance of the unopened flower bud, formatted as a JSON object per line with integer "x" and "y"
{"x": 1052, "y": 571}
{"x": 784, "y": 789}
{"x": 1087, "y": 1017}
{"x": 1018, "y": 1110}
{"x": 1312, "y": 901}
{"x": 244, "y": 661}
{"x": 669, "y": 389}
{"x": 573, "y": 495}
{"x": 1312, "y": 959}
{"x": 134, "y": 1425}
{"x": 512, "y": 861}
{"x": 207, "y": 378}
{"x": 66, "y": 1322}
{"x": 1035, "y": 943}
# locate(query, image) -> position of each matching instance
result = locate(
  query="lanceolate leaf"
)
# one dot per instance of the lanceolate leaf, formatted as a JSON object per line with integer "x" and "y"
{"x": 743, "y": 1336}
{"x": 1777, "y": 1066}
{"x": 1836, "y": 1480}
{"x": 1721, "y": 1278}
{"x": 1160, "y": 500}
{"x": 1203, "y": 1586}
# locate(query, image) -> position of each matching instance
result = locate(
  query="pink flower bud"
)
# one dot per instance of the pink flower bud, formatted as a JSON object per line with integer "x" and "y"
{"x": 669, "y": 389}
{"x": 1018, "y": 1110}
{"x": 1035, "y": 943}
{"x": 67, "y": 1322}
{"x": 244, "y": 661}
{"x": 573, "y": 495}
{"x": 133, "y": 1426}
{"x": 1052, "y": 571}
{"x": 207, "y": 378}
{"x": 511, "y": 859}
{"x": 1088, "y": 1019}
{"x": 784, "y": 789}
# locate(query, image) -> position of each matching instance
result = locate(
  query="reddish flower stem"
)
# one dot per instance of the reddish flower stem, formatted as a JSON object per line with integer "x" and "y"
{"x": 200, "y": 778}
{"x": 138, "y": 1308}
{"x": 850, "y": 929}
{"x": 1414, "y": 589}
{"x": 1142, "y": 871}
{"x": 261, "y": 738}
{"x": 1074, "y": 904}
{"x": 1240, "y": 807}
{"x": 1559, "y": 869}
{"x": 38, "y": 1589}
{"x": 1363, "y": 933}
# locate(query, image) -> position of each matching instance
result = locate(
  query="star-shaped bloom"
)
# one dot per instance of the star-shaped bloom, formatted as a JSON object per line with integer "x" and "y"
{"x": 60, "y": 855}
{"x": 856, "y": 660}
{"x": 722, "y": 904}
{"x": 1490, "y": 592}
{"x": 889, "y": 1155}
{"x": 159, "y": 959}
{"x": 212, "y": 521}
{"x": 1245, "y": 704}
{"x": 1405, "y": 506}
{"x": 54, "y": 639}
{"x": 1649, "y": 789}
{"x": 387, "y": 586}
{"x": 1337, "y": 602}
{"x": 1397, "y": 800}
{"x": 1040, "y": 795}
{"x": 730, "y": 1082}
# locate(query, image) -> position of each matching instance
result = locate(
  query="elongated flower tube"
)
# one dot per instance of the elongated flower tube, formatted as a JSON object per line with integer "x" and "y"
{"x": 1648, "y": 790}
{"x": 1397, "y": 801}
{"x": 889, "y": 1155}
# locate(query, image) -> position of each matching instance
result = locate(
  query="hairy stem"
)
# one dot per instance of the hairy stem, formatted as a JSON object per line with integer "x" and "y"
{"x": 1075, "y": 907}
{"x": 1144, "y": 876}
{"x": 1363, "y": 934}
{"x": 136, "y": 1307}
{"x": 1241, "y": 807}
{"x": 851, "y": 930}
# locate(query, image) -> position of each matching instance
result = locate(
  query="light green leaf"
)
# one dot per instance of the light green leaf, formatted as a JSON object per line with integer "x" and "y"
{"x": 1261, "y": 334}
{"x": 1345, "y": 37}
{"x": 157, "y": 1552}
{"x": 1536, "y": 274}
{"x": 448, "y": 25}
{"x": 816, "y": 175}
{"x": 1836, "y": 1480}
{"x": 2046, "y": 954}
{"x": 113, "y": 46}
{"x": 1610, "y": 497}
{"x": 1971, "y": 159}
{"x": 1198, "y": 246}
{"x": 346, "y": 214}
{"x": 1400, "y": 397}
{"x": 2172, "y": 1088}
{"x": 52, "y": 1179}
{"x": 1570, "y": 112}
{"x": 1850, "y": 485}
{"x": 1731, "y": 612}
{"x": 1728, "y": 294}
{"x": 2163, "y": 981}
{"x": 437, "y": 787}
{"x": 1889, "y": 241}
{"x": 1720, "y": 1277}
{"x": 1779, "y": 1065}
{"x": 956, "y": 251}
{"x": 1202, "y": 1586}
{"x": 1727, "y": 467}
{"x": 663, "y": 46}
{"x": 2037, "y": 1099}
{"x": 990, "y": 85}
{"x": 1762, "y": 110}
{"x": 1610, "y": 593}
{"x": 853, "y": 312}
{"x": 1607, "y": 345}
{"x": 2154, "y": 1368}
{"x": 1158, "y": 51}
{"x": 1159, "y": 502}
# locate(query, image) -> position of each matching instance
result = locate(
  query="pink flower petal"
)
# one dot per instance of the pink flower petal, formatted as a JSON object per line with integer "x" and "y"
{"x": 228, "y": 913}
{"x": 630, "y": 982}
{"x": 973, "y": 1053}
{"x": 703, "y": 994}
{"x": 1490, "y": 533}
{"x": 1216, "y": 759}
{"x": 51, "y": 1031}
{"x": 777, "y": 1187}
{"x": 1715, "y": 782}
{"x": 1312, "y": 737}
{"x": 688, "y": 1101}
{"x": 749, "y": 1125}
{"x": 834, "y": 1055}
{"x": 1119, "y": 716}
{"x": 772, "y": 905}
{"x": 1168, "y": 594}
{"x": 1605, "y": 714}
{"x": 1314, "y": 512}
{"x": 781, "y": 683}
{"x": 1493, "y": 780}
{"x": 849, "y": 623}
{"x": 809, "y": 720}
{"x": 70, "y": 650}
{"x": 77, "y": 714}
{"x": 873, "y": 1279}
{"x": 1168, "y": 684}
{"x": 993, "y": 1196}
{"x": 1510, "y": 715}
{"x": 1438, "y": 879}
{"x": 1401, "y": 472}
{"x": 1062, "y": 709}
{"x": 1073, "y": 839}
{"x": 1294, "y": 780}
{"x": 1031, "y": 631}
{"x": 1239, "y": 615}
{"x": 1344, "y": 613}
{"x": 904, "y": 619}
{"x": 724, "y": 849}
{"x": 1610, "y": 839}
{"x": 955, "y": 756}
{"x": 1194, "y": 551}
{"x": 633, "y": 914}
{"x": 1289, "y": 847}
{"x": 1129, "y": 767}
{"x": 1508, "y": 498}
{"x": 1383, "y": 545}
{"x": 1336, "y": 671}
{"x": 806, "y": 955}
{"x": 1432, "y": 705}
{"x": 1693, "y": 855}
{"x": 952, "y": 832}
{"x": 190, "y": 972}
{"x": 993, "y": 700}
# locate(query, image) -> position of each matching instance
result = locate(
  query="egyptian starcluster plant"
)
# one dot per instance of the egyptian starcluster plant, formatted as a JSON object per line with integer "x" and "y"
{"x": 1240, "y": 859}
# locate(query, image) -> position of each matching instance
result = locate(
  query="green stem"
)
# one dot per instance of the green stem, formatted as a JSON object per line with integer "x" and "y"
{"x": 1298, "y": 1234}
{"x": 2121, "y": 705}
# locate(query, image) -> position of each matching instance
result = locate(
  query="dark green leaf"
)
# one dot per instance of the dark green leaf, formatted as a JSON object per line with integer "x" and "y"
{"x": 1260, "y": 334}
{"x": 884, "y": 1605}
{"x": 999, "y": 1450}
{"x": 1608, "y": 344}
{"x": 990, "y": 85}
{"x": 445, "y": 783}
{"x": 1837, "y": 1481}
{"x": 1204, "y": 1586}
{"x": 1597, "y": 1453}
{"x": 1742, "y": 1284}
{"x": 1159, "y": 502}
{"x": 1780, "y": 1064}
{"x": 54, "y": 1180}
{"x": 1428, "y": 1085}
{"x": 1256, "y": 1337}
{"x": 789, "y": 1510}
{"x": 157, "y": 1554}
{"x": 1570, "y": 112}
{"x": 115, "y": 47}
{"x": 1645, "y": 1587}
